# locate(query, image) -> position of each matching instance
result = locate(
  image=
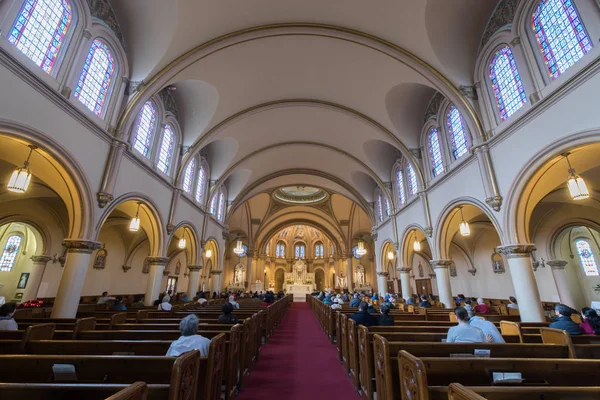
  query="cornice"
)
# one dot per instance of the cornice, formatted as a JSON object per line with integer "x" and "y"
{"x": 517, "y": 250}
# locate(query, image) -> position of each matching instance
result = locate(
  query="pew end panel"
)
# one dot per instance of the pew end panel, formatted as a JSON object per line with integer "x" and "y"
{"x": 456, "y": 391}
{"x": 413, "y": 377}
{"x": 37, "y": 332}
{"x": 184, "y": 378}
{"x": 135, "y": 391}
{"x": 353, "y": 354}
{"x": 384, "y": 381}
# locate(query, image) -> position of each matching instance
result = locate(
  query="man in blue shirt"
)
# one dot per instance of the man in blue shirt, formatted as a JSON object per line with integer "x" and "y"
{"x": 355, "y": 301}
{"x": 564, "y": 322}
{"x": 464, "y": 332}
{"x": 492, "y": 335}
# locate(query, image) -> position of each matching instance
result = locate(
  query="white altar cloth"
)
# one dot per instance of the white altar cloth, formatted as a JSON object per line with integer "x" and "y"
{"x": 299, "y": 291}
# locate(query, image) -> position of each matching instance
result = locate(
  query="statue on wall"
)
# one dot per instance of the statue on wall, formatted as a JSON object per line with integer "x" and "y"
{"x": 238, "y": 274}
{"x": 497, "y": 263}
{"x": 341, "y": 281}
{"x": 360, "y": 274}
{"x": 421, "y": 274}
{"x": 100, "y": 261}
{"x": 145, "y": 267}
{"x": 178, "y": 267}
{"x": 452, "y": 268}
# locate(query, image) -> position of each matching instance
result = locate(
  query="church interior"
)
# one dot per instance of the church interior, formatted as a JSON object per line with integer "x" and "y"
{"x": 319, "y": 168}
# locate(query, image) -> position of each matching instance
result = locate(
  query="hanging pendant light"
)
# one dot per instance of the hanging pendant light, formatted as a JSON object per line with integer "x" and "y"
{"x": 576, "y": 184}
{"x": 239, "y": 250}
{"x": 465, "y": 230}
{"x": 21, "y": 177}
{"x": 208, "y": 253}
{"x": 416, "y": 243}
{"x": 134, "y": 225}
{"x": 182, "y": 243}
{"x": 390, "y": 255}
{"x": 361, "y": 251}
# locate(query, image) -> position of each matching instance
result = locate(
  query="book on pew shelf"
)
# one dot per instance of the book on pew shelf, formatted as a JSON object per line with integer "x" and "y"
{"x": 64, "y": 373}
{"x": 483, "y": 353}
{"x": 507, "y": 377}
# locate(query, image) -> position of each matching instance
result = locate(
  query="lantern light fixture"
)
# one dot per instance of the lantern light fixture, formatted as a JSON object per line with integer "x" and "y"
{"x": 182, "y": 243}
{"x": 577, "y": 187}
{"x": 416, "y": 243}
{"x": 361, "y": 251}
{"x": 21, "y": 177}
{"x": 239, "y": 250}
{"x": 465, "y": 230}
{"x": 134, "y": 225}
{"x": 390, "y": 255}
{"x": 208, "y": 253}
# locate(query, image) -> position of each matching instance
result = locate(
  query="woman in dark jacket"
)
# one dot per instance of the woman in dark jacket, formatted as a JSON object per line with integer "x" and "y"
{"x": 227, "y": 317}
{"x": 384, "y": 318}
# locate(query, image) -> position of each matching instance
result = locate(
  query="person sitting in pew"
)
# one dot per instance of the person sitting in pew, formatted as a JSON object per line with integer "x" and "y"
{"x": 201, "y": 298}
{"x": 481, "y": 307}
{"x": 464, "y": 332}
{"x": 227, "y": 317}
{"x": 469, "y": 307}
{"x": 459, "y": 299}
{"x": 513, "y": 303}
{"x": 337, "y": 304}
{"x": 104, "y": 298}
{"x": 591, "y": 321}
{"x": 118, "y": 304}
{"x": 410, "y": 301}
{"x": 184, "y": 298}
{"x": 363, "y": 317}
{"x": 189, "y": 340}
{"x": 165, "y": 305}
{"x": 384, "y": 318}
{"x": 563, "y": 320}
{"x": 355, "y": 302}
{"x": 233, "y": 303}
{"x": 492, "y": 335}
{"x": 7, "y": 322}
{"x": 138, "y": 301}
{"x": 424, "y": 302}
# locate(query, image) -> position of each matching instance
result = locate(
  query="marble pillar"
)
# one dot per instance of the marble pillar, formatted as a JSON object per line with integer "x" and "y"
{"x": 562, "y": 284}
{"x": 193, "y": 280}
{"x": 442, "y": 274}
{"x": 349, "y": 271}
{"x": 405, "y": 282}
{"x": 35, "y": 279}
{"x": 382, "y": 282}
{"x": 155, "y": 275}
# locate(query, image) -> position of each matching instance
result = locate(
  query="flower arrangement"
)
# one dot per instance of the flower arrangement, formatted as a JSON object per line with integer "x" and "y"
{"x": 31, "y": 304}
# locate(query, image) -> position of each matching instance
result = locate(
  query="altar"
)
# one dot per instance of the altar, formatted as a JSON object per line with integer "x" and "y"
{"x": 299, "y": 291}
{"x": 299, "y": 282}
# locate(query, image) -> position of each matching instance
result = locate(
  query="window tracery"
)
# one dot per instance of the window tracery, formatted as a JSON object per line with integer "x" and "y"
{"x": 300, "y": 251}
{"x": 379, "y": 207}
{"x": 435, "y": 152}
{"x": 96, "y": 76}
{"x": 280, "y": 250}
{"x": 221, "y": 207}
{"x": 412, "y": 179}
{"x": 144, "y": 131}
{"x": 506, "y": 83}
{"x": 319, "y": 250}
{"x": 10, "y": 252}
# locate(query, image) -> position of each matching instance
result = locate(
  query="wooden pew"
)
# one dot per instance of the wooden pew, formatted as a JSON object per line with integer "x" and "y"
{"x": 87, "y": 391}
{"x": 459, "y": 392}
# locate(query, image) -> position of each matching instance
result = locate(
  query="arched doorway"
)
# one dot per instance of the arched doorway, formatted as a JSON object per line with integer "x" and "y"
{"x": 320, "y": 279}
{"x": 279, "y": 274}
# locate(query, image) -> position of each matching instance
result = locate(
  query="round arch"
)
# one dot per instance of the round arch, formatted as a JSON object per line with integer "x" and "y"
{"x": 44, "y": 240}
{"x": 411, "y": 233}
{"x": 187, "y": 231}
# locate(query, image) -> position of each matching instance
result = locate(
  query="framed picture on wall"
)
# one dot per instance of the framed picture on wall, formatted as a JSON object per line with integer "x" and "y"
{"x": 18, "y": 296}
{"x": 23, "y": 280}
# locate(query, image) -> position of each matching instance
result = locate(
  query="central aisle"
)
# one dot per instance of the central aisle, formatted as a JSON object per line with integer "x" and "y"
{"x": 298, "y": 362}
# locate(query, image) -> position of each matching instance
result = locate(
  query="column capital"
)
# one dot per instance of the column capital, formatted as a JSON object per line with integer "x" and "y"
{"x": 250, "y": 253}
{"x": 404, "y": 269}
{"x": 440, "y": 263}
{"x": 194, "y": 267}
{"x": 349, "y": 254}
{"x": 216, "y": 272}
{"x": 516, "y": 250}
{"x": 382, "y": 273}
{"x": 81, "y": 245}
{"x": 40, "y": 259}
{"x": 157, "y": 260}
{"x": 557, "y": 264}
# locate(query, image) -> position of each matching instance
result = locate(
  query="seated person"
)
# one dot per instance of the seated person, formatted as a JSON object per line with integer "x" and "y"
{"x": 104, "y": 298}
{"x": 269, "y": 299}
{"x": 384, "y": 318}
{"x": 345, "y": 298}
{"x": 563, "y": 320}
{"x": 362, "y": 317}
{"x": 424, "y": 303}
{"x": 189, "y": 340}
{"x": 7, "y": 322}
{"x": 459, "y": 299}
{"x": 233, "y": 303}
{"x": 227, "y": 317}
{"x": 410, "y": 301}
{"x": 167, "y": 296}
{"x": 184, "y": 298}
{"x": 371, "y": 309}
{"x": 492, "y": 335}
{"x": 118, "y": 304}
{"x": 165, "y": 305}
{"x": 328, "y": 300}
{"x": 591, "y": 321}
{"x": 469, "y": 307}
{"x": 463, "y": 332}
{"x": 201, "y": 298}
{"x": 337, "y": 304}
{"x": 375, "y": 297}
{"x": 513, "y": 303}
{"x": 138, "y": 301}
{"x": 355, "y": 302}
{"x": 481, "y": 307}
{"x": 321, "y": 296}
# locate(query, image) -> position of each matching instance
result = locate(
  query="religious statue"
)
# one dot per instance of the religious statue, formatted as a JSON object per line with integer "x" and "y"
{"x": 421, "y": 274}
{"x": 360, "y": 274}
{"x": 341, "y": 281}
{"x": 497, "y": 263}
{"x": 238, "y": 276}
{"x": 100, "y": 261}
{"x": 178, "y": 267}
{"x": 452, "y": 268}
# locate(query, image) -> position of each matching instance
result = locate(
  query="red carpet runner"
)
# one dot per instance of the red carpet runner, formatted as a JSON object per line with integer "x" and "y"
{"x": 298, "y": 362}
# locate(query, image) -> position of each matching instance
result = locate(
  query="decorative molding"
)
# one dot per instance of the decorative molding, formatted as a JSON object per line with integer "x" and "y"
{"x": 126, "y": 268}
{"x": 40, "y": 259}
{"x": 434, "y": 106}
{"x": 81, "y": 246}
{"x": 194, "y": 267}
{"x": 383, "y": 274}
{"x": 495, "y": 202}
{"x": 502, "y": 16}
{"x": 157, "y": 260}
{"x": 216, "y": 272}
{"x": 516, "y": 250}
{"x": 556, "y": 264}
{"x": 104, "y": 198}
{"x": 103, "y": 11}
{"x": 133, "y": 87}
{"x": 440, "y": 263}
{"x": 404, "y": 269}
{"x": 472, "y": 271}
{"x": 168, "y": 100}
{"x": 428, "y": 231}
{"x": 469, "y": 92}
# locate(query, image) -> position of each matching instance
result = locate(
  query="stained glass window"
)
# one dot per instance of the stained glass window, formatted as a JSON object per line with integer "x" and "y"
{"x": 245, "y": 252}
{"x": 40, "y": 30}
{"x": 300, "y": 251}
{"x": 400, "y": 187}
{"x": 332, "y": 249}
{"x": 213, "y": 205}
{"x": 356, "y": 255}
{"x": 388, "y": 207}
{"x": 435, "y": 152}
{"x": 94, "y": 81}
{"x": 267, "y": 249}
{"x": 165, "y": 154}
{"x": 412, "y": 179}
{"x": 506, "y": 83}
{"x": 458, "y": 136}
{"x": 200, "y": 184}
{"x": 280, "y": 250}
{"x": 144, "y": 130}
{"x": 221, "y": 206}
{"x": 319, "y": 250}
{"x": 379, "y": 208}
{"x": 560, "y": 34}
{"x": 586, "y": 256}
{"x": 188, "y": 176}
{"x": 11, "y": 250}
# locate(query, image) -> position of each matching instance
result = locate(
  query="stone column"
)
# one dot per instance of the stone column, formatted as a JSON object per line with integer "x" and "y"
{"x": 405, "y": 282}
{"x": 216, "y": 280}
{"x": 349, "y": 270}
{"x": 155, "y": 276}
{"x": 562, "y": 285}
{"x": 382, "y": 282}
{"x": 250, "y": 268}
{"x": 521, "y": 273}
{"x": 71, "y": 282}
{"x": 442, "y": 275}
{"x": 35, "y": 279}
{"x": 193, "y": 280}
{"x": 111, "y": 170}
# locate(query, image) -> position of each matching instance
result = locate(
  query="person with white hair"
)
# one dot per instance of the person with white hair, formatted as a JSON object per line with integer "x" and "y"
{"x": 337, "y": 304}
{"x": 481, "y": 307}
{"x": 189, "y": 340}
{"x": 232, "y": 301}
{"x": 165, "y": 305}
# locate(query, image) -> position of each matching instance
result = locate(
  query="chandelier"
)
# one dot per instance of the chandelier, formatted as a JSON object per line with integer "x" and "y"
{"x": 361, "y": 251}
{"x": 465, "y": 230}
{"x": 19, "y": 181}
{"x": 182, "y": 243}
{"x": 239, "y": 250}
{"x": 576, "y": 184}
{"x": 416, "y": 243}
{"x": 134, "y": 225}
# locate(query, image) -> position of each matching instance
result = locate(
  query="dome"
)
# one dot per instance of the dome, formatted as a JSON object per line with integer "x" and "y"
{"x": 300, "y": 194}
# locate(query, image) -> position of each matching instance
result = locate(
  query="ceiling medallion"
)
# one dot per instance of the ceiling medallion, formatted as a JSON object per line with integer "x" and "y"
{"x": 300, "y": 194}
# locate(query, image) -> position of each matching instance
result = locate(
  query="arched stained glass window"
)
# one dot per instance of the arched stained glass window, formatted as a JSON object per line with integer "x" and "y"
{"x": 560, "y": 34}
{"x": 144, "y": 130}
{"x": 221, "y": 206}
{"x": 213, "y": 205}
{"x": 388, "y": 207}
{"x": 11, "y": 250}
{"x": 506, "y": 83}
{"x": 319, "y": 250}
{"x": 435, "y": 152}
{"x": 586, "y": 257}
{"x": 188, "y": 176}
{"x": 412, "y": 179}
{"x": 245, "y": 251}
{"x": 379, "y": 208}
{"x": 280, "y": 250}
{"x": 458, "y": 136}
{"x": 40, "y": 29}
{"x": 94, "y": 81}
{"x": 300, "y": 251}
{"x": 200, "y": 184}
{"x": 165, "y": 155}
{"x": 356, "y": 255}
{"x": 267, "y": 249}
{"x": 400, "y": 187}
